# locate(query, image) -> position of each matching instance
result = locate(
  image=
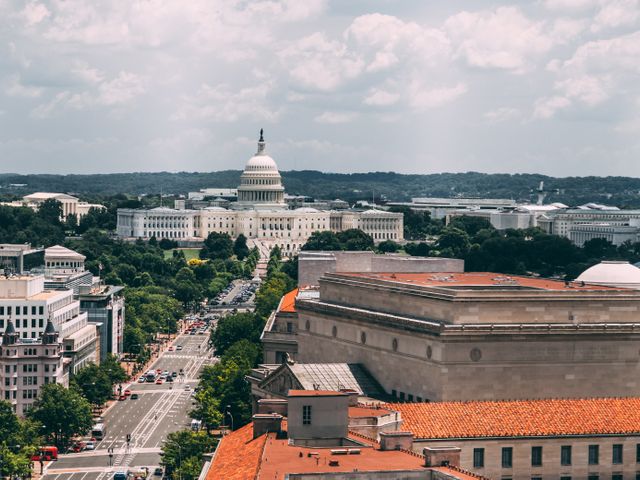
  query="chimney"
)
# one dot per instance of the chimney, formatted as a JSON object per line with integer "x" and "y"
{"x": 273, "y": 405}
{"x": 441, "y": 456}
{"x": 353, "y": 396}
{"x": 396, "y": 440}
{"x": 265, "y": 423}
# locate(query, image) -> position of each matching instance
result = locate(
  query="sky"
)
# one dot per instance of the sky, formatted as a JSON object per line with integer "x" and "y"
{"x": 537, "y": 86}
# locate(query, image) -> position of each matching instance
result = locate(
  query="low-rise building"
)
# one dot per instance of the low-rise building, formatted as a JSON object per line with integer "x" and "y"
{"x": 584, "y": 438}
{"x": 70, "y": 205}
{"x": 313, "y": 442}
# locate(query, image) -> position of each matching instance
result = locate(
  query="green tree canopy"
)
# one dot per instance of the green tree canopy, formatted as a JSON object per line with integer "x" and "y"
{"x": 217, "y": 245}
{"x": 62, "y": 412}
{"x": 182, "y": 453}
{"x": 240, "y": 248}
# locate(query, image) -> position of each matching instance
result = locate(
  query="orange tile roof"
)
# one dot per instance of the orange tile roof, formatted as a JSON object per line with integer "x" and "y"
{"x": 315, "y": 393}
{"x": 479, "y": 279}
{"x": 229, "y": 464}
{"x": 288, "y": 302}
{"x": 240, "y": 458}
{"x": 458, "y": 473}
{"x": 360, "y": 411}
{"x": 521, "y": 418}
{"x": 280, "y": 459}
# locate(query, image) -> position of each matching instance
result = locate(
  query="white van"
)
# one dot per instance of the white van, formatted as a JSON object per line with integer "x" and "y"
{"x": 196, "y": 425}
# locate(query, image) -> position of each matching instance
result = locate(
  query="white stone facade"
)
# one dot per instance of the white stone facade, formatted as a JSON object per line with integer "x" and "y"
{"x": 260, "y": 213}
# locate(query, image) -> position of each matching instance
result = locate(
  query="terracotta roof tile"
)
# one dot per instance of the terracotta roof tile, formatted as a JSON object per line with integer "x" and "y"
{"x": 288, "y": 302}
{"x": 517, "y": 418}
{"x": 229, "y": 464}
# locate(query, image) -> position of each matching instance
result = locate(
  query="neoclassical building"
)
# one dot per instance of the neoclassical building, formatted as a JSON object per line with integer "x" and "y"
{"x": 260, "y": 213}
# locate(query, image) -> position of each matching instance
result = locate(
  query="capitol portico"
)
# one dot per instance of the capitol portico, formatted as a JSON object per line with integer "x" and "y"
{"x": 260, "y": 213}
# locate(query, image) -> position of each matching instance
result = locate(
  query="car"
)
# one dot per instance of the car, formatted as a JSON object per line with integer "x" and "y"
{"x": 165, "y": 372}
{"x": 158, "y": 471}
{"x": 169, "y": 379}
{"x": 134, "y": 396}
{"x": 141, "y": 380}
{"x": 122, "y": 397}
{"x": 120, "y": 475}
{"x": 159, "y": 371}
{"x": 159, "y": 381}
{"x": 170, "y": 349}
{"x": 78, "y": 446}
{"x": 90, "y": 445}
{"x": 179, "y": 347}
{"x": 127, "y": 392}
{"x": 187, "y": 388}
{"x": 174, "y": 374}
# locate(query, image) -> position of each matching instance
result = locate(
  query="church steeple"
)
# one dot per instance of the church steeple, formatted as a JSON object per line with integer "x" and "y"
{"x": 261, "y": 143}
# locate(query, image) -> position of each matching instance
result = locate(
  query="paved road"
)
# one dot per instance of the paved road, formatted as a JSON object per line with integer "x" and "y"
{"x": 160, "y": 410}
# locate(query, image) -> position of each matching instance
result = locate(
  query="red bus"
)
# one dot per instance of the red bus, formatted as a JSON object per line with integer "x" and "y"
{"x": 45, "y": 454}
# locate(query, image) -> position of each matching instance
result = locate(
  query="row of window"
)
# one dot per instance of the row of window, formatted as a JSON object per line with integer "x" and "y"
{"x": 565, "y": 455}
{"x": 25, "y": 310}
{"x": 24, "y": 323}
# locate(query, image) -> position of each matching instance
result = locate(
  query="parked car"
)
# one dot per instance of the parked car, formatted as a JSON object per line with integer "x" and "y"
{"x": 134, "y": 396}
{"x": 90, "y": 445}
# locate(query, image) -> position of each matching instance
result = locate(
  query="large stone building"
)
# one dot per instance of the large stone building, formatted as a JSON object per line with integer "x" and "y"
{"x": 470, "y": 336}
{"x": 260, "y": 212}
{"x": 70, "y": 205}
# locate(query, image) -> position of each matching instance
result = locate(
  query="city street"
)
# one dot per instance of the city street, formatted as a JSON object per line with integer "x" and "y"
{"x": 159, "y": 410}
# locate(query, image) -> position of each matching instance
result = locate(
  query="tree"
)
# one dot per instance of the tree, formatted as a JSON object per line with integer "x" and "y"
{"x": 388, "y": 246}
{"x": 469, "y": 224}
{"x": 50, "y": 211}
{"x": 234, "y": 328}
{"x": 217, "y": 245}
{"x": 240, "y": 248}
{"x": 355, "y": 239}
{"x": 417, "y": 249}
{"x": 324, "y": 240}
{"x": 111, "y": 366}
{"x": 93, "y": 383}
{"x": 453, "y": 243}
{"x": 244, "y": 352}
{"x": 63, "y": 413}
{"x": 182, "y": 453}
{"x": 9, "y": 424}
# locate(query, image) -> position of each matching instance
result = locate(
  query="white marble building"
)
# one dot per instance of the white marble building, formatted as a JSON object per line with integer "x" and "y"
{"x": 260, "y": 213}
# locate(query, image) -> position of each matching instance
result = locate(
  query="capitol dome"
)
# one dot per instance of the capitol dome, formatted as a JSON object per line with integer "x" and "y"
{"x": 260, "y": 182}
{"x": 612, "y": 274}
{"x": 263, "y": 163}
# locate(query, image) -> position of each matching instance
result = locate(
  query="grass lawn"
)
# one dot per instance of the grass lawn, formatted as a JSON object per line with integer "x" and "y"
{"x": 189, "y": 253}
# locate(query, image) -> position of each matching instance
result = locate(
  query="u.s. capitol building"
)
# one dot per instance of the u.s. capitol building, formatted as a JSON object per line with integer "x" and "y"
{"x": 260, "y": 213}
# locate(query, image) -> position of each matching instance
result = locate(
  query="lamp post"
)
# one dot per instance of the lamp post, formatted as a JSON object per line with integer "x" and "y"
{"x": 228, "y": 412}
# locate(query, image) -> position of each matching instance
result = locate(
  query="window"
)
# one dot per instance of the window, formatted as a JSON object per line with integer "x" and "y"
{"x": 507, "y": 457}
{"x": 617, "y": 454}
{"x": 594, "y": 454}
{"x": 617, "y": 476}
{"x": 478, "y": 457}
{"x": 638, "y": 453}
{"x": 565, "y": 455}
{"x": 306, "y": 414}
{"x": 536, "y": 456}
{"x": 565, "y": 478}
{"x": 593, "y": 476}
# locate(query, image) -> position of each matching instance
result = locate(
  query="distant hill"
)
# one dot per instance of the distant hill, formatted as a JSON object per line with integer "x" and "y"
{"x": 619, "y": 191}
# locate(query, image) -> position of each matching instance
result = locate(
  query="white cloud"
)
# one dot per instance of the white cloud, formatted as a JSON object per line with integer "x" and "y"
{"x": 381, "y": 98}
{"x": 35, "y": 13}
{"x": 616, "y": 13}
{"x": 222, "y": 103}
{"x": 317, "y": 63}
{"x": 335, "y": 117}
{"x": 572, "y": 5}
{"x": 547, "y": 107}
{"x": 423, "y": 97}
{"x": 502, "y": 114}
{"x": 502, "y": 39}
{"x": 15, "y": 88}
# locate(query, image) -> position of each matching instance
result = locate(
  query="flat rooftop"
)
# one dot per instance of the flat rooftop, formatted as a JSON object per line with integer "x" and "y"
{"x": 240, "y": 456}
{"x": 480, "y": 280}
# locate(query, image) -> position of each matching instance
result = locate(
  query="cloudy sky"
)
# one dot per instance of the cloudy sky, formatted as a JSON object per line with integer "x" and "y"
{"x": 549, "y": 86}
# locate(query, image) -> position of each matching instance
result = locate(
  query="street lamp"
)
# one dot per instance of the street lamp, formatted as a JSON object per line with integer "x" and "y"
{"x": 228, "y": 412}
